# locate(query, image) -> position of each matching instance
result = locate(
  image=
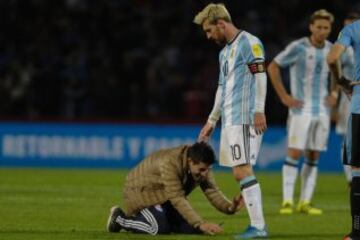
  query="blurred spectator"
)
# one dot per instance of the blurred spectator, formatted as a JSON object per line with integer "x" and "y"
{"x": 123, "y": 59}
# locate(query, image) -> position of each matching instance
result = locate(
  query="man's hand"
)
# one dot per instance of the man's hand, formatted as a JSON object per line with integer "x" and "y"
{"x": 291, "y": 102}
{"x": 260, "y": 122}
{"x": 205, "y": 132}
{"x": 210, "y": 228}
{"x": 346, "y": 85}
{"x": 237, "y": 204}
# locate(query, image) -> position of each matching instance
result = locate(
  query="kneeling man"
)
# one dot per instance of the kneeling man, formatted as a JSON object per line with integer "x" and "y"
{"x": 155, "y": 193}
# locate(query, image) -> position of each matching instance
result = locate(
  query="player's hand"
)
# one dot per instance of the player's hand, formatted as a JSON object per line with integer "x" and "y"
{"x": 354, "y": 83}
{"x": 330, "y": 101}
{"x": 348, "y": 90}
{"x": 237, "y": 204}
{"x": 210, "y": 228}
{"x": 346, "y": 85}
{"x": 259, "y": 123}
{"x": 291, "y": 102}
{"x": 206, "y": 132}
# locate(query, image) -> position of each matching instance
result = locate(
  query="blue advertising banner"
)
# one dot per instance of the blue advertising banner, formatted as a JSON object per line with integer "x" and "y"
{"x": 124, "y": 145}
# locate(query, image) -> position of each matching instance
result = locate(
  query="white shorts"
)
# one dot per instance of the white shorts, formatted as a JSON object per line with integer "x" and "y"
{"x": 308, "y": 133}
{"x": 239, "y": 145}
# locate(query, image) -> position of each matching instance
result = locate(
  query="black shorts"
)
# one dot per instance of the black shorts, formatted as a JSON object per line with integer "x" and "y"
{"x": 352, "y": 142}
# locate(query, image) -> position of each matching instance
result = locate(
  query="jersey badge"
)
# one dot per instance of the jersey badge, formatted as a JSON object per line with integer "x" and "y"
{"x": 256, "y": 50}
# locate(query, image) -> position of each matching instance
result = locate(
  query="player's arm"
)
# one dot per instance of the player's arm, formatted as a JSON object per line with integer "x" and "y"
{"x": 277, "y": 83}
{"x": 258, "y": 70}
{"x": 344, "y": 40}
{"x": 217, "y": 198}
{"x": 285, "y": 58}
{"x": 175, "y": 193}
{"x": 215, "y": 112}
{"x": 213, "y": 117}
{"x": 333, "y": 60}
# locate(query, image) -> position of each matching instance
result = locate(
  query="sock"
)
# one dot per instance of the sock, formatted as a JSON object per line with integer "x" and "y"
{"x": 309, "y": 173}
{"x": 251, "y": 193}
{"x": 289, "y": 175}
{"x": 347, "y": 168}
{"x": 355, "y": 204}
{"x": 348, "y": 174}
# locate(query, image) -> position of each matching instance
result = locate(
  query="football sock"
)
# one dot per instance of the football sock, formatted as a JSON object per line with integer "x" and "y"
{"x": 251, "y": 193}
{"x": 309, "y": 173}
{"x": 355, "y": 203}
{"x": 289, "y": 175}
{"x": 348, "y": 174}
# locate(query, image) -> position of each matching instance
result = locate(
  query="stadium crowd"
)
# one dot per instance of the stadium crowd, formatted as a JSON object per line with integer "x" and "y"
{"x": 120, "y": 59}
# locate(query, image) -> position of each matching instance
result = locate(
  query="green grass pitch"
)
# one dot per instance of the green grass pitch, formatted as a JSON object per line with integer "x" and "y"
{"x": 74, "y": 204}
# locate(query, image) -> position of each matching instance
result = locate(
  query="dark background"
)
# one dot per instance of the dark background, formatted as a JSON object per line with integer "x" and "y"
{"x": 134, "y": 60}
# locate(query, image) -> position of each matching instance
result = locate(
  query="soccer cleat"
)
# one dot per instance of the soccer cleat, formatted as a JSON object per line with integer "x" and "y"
{"x": 286, "y": 208}
{"x": 112, "y": 225}
{"x": 252, "y": 232}
{"x": 305, "y": 207}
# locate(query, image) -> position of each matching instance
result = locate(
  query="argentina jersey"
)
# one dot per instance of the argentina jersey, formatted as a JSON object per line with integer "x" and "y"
{"x": 350, "y": 36}
{"x": 309, "y": 75}
{"x": 236, "y": 80}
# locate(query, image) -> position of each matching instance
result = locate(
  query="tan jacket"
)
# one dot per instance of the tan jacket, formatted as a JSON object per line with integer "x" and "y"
{"x": 164, "y": 175}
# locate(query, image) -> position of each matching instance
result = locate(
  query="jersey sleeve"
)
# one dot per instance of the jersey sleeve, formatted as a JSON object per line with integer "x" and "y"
{"x": 288, "y": 56}
{"x": 345, "y": 36}
{"x": 254, "y": 51}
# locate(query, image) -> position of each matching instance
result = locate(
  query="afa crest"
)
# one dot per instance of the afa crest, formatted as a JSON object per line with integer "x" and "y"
{"x": 256, "y": 50}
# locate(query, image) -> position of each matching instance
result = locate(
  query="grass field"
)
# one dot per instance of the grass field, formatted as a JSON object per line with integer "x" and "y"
{"x": 74, "y": 204}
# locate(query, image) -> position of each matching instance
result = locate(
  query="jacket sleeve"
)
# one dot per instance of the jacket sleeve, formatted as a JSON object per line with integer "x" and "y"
{"x": 171, "y": 178}
{"x": 215, "y": 196}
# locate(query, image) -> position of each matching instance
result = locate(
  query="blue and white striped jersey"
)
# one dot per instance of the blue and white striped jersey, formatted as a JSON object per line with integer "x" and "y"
{"x": 309, "y": 75}
{"x": 350, "y": 36}
{"x": 236, "y": 81}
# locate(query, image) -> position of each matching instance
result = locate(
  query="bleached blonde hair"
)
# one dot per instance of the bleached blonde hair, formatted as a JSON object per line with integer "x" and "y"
{"x": 322, "y": 14}
{"x": 212, "y": 12}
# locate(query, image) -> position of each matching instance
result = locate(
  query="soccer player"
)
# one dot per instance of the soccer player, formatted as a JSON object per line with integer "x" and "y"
{"x": 350, "y": 36}
{"x": 347, "y": 66}
{"x": 309, "y": 108}
{"x": 155, "y": 193}
{"x": 240, "y": 100}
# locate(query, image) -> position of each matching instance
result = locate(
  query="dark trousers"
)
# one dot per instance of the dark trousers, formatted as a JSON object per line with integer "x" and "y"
{"x": 160, "y": 219}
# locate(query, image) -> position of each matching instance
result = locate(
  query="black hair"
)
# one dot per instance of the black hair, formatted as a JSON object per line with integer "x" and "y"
{"x": 352, "y": 16}
{"x": 201, "y": 152}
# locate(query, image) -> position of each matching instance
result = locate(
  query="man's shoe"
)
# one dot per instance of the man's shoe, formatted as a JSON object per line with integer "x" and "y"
{"x": 112, "y": 225}
{"x": 252, "y": 232}
{"x": 286, "y": 208}
{"x": 307, "y": 208}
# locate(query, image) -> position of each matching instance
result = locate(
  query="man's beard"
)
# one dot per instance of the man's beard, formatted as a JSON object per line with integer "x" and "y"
{"x": 221, "y": 42}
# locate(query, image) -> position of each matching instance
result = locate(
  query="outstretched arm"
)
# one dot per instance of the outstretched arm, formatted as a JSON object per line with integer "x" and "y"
{"x": 214, "y": 116}
{"x": 176, "y": 195}
{"x": 218, "y": 199}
